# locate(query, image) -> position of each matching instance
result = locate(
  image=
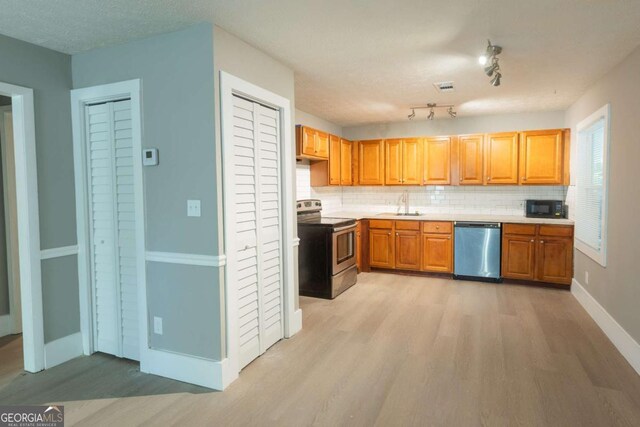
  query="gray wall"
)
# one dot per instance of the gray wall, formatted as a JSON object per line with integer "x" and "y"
{"x": 316, "y": 122}
{"x": 242, "y": 60}
{"x": 48, "y": 73}
{"x": 176, "y": 71}
{"x": 462, "y": 125}
{"x": 616, "y": 286}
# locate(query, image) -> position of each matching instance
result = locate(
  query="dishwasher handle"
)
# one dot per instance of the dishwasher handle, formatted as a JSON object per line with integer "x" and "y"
{"x": 463, "y": 224}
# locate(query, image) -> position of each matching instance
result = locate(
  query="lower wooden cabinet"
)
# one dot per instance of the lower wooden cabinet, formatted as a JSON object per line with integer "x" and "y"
{"x": 407, "y": 245}
{"x": 542, "y": 253}
{"x": 381, "y": 244}
{"x": 437, "y": 253}
{"x": 359, "y": 245}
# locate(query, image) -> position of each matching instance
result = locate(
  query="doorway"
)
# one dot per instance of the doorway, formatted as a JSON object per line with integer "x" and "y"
{"x": 109, "y": 203}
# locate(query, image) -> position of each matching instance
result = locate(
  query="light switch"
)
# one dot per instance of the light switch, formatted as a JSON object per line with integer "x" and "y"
{"x": 157, "y": 325}
{"x": 193, "y": 208}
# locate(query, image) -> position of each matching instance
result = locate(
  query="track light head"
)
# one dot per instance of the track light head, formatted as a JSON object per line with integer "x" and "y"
{"x": 492, "y": 68}
{"x": 431, "y": 115}
{"x": 412, "y": 115}
{"x": 452, "y": 113}
{"x": 495, "y": 81}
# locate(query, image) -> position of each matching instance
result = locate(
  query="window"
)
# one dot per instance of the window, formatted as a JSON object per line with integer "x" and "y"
{"x": 591, "y": 185}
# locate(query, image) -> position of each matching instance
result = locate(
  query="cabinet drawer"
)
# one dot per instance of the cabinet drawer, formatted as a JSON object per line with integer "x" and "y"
{"x": 519, "y": 229}
{"x": 556, "y": 230}
{"x": 437, "y": 227}
{"x": 380, "y": 223}
{"x": 408, "y": 225}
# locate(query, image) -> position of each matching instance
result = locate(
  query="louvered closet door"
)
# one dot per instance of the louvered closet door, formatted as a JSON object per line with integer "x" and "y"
{"x": 113, "y": 229}
{"x": 257, "y": 199}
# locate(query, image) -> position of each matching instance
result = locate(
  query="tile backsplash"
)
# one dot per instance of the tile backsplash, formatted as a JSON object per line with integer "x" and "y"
{"x": 497, "y": 200}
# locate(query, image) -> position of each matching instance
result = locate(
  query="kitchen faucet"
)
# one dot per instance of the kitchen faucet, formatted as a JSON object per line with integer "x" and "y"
{"x": 404, "y": 198}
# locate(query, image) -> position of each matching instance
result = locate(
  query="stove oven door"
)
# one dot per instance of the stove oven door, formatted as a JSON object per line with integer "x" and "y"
{"x": 344, "y": 248}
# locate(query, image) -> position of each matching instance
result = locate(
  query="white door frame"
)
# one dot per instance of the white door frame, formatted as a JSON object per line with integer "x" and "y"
{"x": 11, "y": 218}
{"x": 79, "y": 99}
{"x": 24, "y": 139}
{"x": 229, "y": 86}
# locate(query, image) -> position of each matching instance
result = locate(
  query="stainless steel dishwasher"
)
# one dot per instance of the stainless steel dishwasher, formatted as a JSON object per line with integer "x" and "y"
{"x": 477, "y": 251}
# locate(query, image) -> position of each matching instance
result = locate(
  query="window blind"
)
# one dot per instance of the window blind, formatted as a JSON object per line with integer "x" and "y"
{"x": 590, "y": 185}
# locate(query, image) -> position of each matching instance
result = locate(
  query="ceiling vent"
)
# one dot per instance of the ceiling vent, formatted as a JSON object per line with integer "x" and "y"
{"x": 444, "y": 87}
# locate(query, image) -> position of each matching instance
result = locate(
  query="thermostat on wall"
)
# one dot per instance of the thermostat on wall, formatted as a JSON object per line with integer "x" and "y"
{"x": 150, "y": 157}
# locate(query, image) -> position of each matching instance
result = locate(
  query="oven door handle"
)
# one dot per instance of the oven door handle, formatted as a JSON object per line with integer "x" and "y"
{"x": 346, "y": 227}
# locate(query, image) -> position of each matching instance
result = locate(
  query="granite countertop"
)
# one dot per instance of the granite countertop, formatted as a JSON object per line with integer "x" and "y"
{"x": 450, "y": 217}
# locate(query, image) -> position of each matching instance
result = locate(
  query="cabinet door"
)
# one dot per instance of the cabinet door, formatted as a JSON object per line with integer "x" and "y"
{"x": 371, "y": 162}
{"x": 541, "y": 157}
{"x": 411, "y": 161}
{"x": 407, "y": 250}
{"x": 518, "y": 257}
{"x": 437, "y": 253}
{"x": 358, "y": 245}
{"x": 322, "y": 144}
{"x": 555, "y": 260}
{"x": 308, "y": 141}
{"x": 437, "y": 161}
{"x": 501, "y": 158}
{"x": 393, "y": 162}
{"x": 471, "y": 159}
{"x": 335, "y": 151}
{"x": 346, "y": 176}
{"x": 381, "y": 253}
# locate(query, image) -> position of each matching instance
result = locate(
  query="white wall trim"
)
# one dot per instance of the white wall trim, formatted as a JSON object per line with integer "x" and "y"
{"x": 296, "y": 324}
{"x": 620, "y": 338}
{"x": 79, "y": 98}
{"x": 296, "y": 242}
{"x": 24, "y": 139}
{"x": 190, "y": 369}
{"x": 187, "y": 259}
{"x": 6, "y": 325}
{"x": 62, "y": 350}
{"x": 230, "y": 86}
{"x": 59, "y": 252}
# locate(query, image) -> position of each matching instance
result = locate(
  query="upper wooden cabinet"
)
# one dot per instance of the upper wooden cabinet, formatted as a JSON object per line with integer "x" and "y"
{"x": 471, "y": 159}
{"x": 403, "y": 160}
{"x": 335, "y": 163}
{"x": 338, "y": 169}
{"x": 541, "y": 157}
{"x": 501, "y": 158}
{"x": 437, "y": 161}
{"x": 371, "y": 162}
{"x": 346, "y": 162}
{"x": 311, "y": 143}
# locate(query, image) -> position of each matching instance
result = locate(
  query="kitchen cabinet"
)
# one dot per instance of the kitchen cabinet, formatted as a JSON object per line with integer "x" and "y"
{"x": 403, "y": 160}
{"x": 335, "y": 163}
{"x": 542, "y": 253}
{"x": 501, "y": 158}
{"x": 359, "y": 245}
{"x": 437, "y": 247}
{"x": 436, "y": 167}
{"x": 381, "y": 244}
{"x": 471, "y": 159}
{"x": 311, "y": 143}
{"x": 346, "y": 162}
{"x": 541, "y": 157}
{"x": 371, "y": 162}
{"x": 407, "y": 245}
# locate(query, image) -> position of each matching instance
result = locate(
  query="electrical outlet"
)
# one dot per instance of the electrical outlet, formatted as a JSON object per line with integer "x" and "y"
{"x": 193, "y": 208}
{"x": 157, "y": 325}
{"x": 586, "y": 277}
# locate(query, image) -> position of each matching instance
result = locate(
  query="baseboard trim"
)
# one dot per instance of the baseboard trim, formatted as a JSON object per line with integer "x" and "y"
{"x": 187, "y": 259}
{"x": 62, "y": 350}
{"x": 6, "y": 325}
{"x": 59, "y": 252}
{"x": 620, "y": 338}
{"x": 295, "y": 325}
{"x": 189, "y": 369}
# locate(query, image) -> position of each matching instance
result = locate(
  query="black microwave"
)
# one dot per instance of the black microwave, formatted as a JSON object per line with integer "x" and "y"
{"x": 545, "y": 209}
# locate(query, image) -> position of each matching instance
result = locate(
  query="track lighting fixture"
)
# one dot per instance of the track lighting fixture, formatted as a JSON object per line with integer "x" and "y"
{"x": 432, "y": 113}
{"x": 491, "y": 54}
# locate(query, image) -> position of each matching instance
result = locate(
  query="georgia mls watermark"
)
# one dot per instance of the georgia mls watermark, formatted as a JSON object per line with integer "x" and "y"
{"x": 31, "y": 416}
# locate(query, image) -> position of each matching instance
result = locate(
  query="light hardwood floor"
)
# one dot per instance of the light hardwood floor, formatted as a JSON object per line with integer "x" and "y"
{"x": 391, "y": 351}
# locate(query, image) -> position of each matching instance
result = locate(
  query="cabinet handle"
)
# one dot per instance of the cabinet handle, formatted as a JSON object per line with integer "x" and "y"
{"x": 397, "y": 234}
{"x": 448, "y": 237}
{"x": 437, "y": 227}
{"x": 389, "y": 234}
{"x": 532, "y": 240}
{"x": 488, "y": 178}
{"x": 524, "y": 178}
{"x": 542, "y": 242}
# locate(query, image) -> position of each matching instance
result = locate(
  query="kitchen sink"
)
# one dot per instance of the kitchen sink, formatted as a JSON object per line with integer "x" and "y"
{"x": 400, "y": 214}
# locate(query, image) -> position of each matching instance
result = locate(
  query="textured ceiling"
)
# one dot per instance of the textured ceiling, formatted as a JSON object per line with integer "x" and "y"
{"x": 364, "y": 61}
